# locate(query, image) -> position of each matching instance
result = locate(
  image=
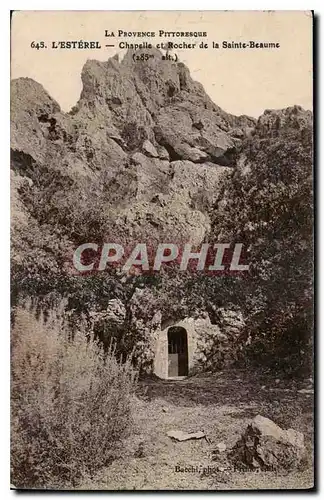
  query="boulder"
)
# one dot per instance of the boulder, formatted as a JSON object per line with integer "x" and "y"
{"x": 286, "y": 122}
{"x": 163, "y": 153}
{"x": 176, "y": 130}
{"x": 264, "y": 445}
{"x": 195, "y": 182}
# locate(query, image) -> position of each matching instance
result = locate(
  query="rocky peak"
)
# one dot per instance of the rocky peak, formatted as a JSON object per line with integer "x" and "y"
{"x": 289, "y": 121}
{"x": 145, "y": 132}
{"x": 157, "y": 100}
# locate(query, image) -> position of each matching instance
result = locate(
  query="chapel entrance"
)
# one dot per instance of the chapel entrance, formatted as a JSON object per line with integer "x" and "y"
{"x": 177, "y": 352}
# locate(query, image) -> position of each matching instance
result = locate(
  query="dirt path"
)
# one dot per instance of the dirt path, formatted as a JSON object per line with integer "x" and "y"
{"x": 221, "y": 405}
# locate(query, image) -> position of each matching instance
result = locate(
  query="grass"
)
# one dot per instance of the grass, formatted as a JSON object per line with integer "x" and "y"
{"x": 80, "y": 421}
{"x": 221, "y": 405}
{"x": 70, "y": 404}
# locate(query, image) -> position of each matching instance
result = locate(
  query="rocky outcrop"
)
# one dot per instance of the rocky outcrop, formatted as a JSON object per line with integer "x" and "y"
{"x": 264, "y": 445}
{"x": 197, "y": 139}
{"x": 284, "y": 122}
{"x": 33, "y": 118}
{"x": 146, "y": 129}
{"x": 149, "y": 149}
{"x": 141, "y": 157}
{"x": 217, "y": 342}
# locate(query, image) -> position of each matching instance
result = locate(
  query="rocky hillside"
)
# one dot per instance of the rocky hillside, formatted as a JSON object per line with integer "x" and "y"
{"x": 145, "y": 155}
{"x": 145, "y": 132}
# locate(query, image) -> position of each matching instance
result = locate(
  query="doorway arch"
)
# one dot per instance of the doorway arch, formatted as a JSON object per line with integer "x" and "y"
{"x": 177, "y": 352}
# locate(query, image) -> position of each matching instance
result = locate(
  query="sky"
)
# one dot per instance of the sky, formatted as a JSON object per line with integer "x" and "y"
{"x": 241, "y": 81}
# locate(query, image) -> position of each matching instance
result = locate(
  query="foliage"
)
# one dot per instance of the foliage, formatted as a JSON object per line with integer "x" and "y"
{"x": 267, "y": 206}
{"x": 70, "y": 403}
{"x": 134, "y": 135}
{"x": 265, "y": 203}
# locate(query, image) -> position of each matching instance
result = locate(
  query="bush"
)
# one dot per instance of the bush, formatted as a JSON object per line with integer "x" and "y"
{"x": 70, "y": 403}
{"x": 267, "y": 204}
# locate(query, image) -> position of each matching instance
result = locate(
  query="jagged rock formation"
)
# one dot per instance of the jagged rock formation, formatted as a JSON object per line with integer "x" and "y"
{"x": 146, "y": 127}
{"x": 264, "y": 445}
{"x": 285, "y": 122}
{"x": 143, "y": 157}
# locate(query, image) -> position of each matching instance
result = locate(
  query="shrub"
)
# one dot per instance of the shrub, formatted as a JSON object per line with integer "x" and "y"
{"x": 269, "y": 208}
{"x": 70, "y": 403}
{"x": 134, "y": 135}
